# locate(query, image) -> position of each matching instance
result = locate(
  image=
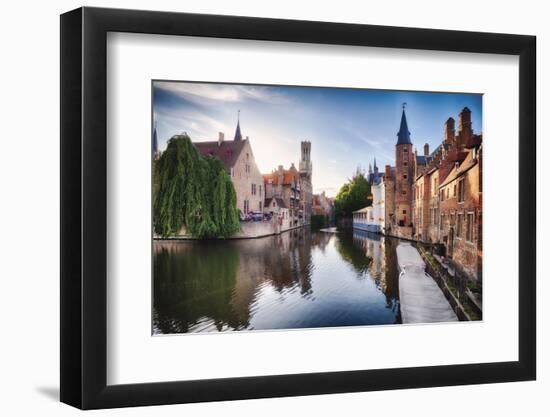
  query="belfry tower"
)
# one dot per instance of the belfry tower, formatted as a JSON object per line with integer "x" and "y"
{"x": 306, "y": 188}
{"x": 404, "y": 168}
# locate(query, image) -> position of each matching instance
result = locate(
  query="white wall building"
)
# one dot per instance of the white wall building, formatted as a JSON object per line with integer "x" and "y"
{"x": 371, "y": 218}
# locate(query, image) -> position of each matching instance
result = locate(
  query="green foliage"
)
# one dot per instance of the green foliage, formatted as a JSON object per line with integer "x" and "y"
{"x": 192, "y": 191}
{"x": 319, "y": 221}
{"x": 353, "y": 195}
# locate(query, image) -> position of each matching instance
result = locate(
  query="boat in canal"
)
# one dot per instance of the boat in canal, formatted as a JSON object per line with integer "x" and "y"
{"x": 421, "y": 299}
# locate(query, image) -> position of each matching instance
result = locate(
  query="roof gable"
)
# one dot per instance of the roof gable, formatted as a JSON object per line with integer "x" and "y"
{"x": 227, "y": 151}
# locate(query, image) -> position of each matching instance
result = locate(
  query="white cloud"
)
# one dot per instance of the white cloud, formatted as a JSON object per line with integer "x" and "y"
{"x": 222, "y": 92}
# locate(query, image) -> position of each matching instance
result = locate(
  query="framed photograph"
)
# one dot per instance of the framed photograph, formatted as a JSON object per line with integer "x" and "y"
{"x": 257, "y": 208}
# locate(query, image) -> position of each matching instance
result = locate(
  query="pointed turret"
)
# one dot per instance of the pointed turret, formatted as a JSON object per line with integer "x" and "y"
{"x": 375, "y": 167}
{"x": 238, "y": 135}
{"x": 404, "y": 136}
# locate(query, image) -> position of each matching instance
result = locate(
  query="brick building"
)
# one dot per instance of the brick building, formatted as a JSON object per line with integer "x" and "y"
{"x": 285, "y": 185}
{"x": 398, "y": 185}
{"x": 447, "y": 196}
{"x": 294, "y": 187}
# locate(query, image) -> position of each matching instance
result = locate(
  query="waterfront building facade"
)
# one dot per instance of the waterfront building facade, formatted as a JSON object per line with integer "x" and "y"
{"x": 277, "y": 209}
{"x": 398, "y": 185}
{"x": 363, "y": 219}
{"x": 447, "y": 197}
{"x": 285, "y": 184}
{"x": 294, "y": 187}
{"x": 372, "y": 218}
{"x": 322, "y": 205}
{"x": 238, "y": 159}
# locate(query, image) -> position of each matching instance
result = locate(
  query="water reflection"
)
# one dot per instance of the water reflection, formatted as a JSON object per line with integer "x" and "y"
{"x": 299, "y": 279}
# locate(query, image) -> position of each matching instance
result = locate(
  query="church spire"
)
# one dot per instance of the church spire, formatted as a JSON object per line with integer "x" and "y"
{"x": 155, "y": 141}
{"x": 238, "y": 135}
{"x": 375, "y": 167}
{"x": 404, "y": 136}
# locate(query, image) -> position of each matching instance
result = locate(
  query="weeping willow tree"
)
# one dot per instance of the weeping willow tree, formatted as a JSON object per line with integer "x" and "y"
{"x": 192, "y": 191}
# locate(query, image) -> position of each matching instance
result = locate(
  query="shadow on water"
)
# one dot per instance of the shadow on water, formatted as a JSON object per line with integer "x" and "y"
{"x": 298, "y": 279}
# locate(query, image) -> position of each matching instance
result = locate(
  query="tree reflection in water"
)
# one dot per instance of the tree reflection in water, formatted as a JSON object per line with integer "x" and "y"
{"x": 294, "y": 280}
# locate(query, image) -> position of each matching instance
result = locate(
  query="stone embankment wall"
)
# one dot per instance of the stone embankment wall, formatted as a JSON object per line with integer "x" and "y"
{"x": 249, "y": 230}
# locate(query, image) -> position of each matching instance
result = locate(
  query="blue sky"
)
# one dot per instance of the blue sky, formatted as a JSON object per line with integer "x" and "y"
{"x": 347, "y": 127}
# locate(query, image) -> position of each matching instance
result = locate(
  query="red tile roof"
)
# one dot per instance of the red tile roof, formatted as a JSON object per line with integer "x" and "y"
{"x": 289, "y": 177}
{"x": 227, "y": 151}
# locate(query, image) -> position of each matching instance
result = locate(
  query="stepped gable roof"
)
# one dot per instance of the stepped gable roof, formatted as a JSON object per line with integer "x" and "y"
{"x": 227, "y": 151}
{"x": 290, "y": 176}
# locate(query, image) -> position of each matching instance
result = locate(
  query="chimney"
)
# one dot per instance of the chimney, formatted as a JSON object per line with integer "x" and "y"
{"x": 465, "y": 127}
{"x": 449, "y": 130}
{"x": 465, "y": 120}
{"x": 221, "y": 137}
{"x": 387, "y": 174}
{"x": 426, "y": 149}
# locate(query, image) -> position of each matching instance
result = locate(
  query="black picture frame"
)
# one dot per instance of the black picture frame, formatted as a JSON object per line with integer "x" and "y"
{"x": 84, "y": 207}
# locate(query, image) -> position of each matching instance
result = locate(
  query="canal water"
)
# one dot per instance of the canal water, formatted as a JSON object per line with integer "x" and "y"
{"x": 299, "y": 279}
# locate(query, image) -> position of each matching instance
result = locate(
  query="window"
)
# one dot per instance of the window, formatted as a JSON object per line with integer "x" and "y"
{"x": 404, "y": 176}
{"x": 442, "y": 195}
{"x": 405, "y": 163}
{"x": 470, "y": 227}
{"x": 459, "y": 225}
{"x": 253, "y": 190}
{"x": 260, "y": 190}
{"x": 260, "y": 206}
{"x": 447, "y": 193}
{"x": 404, "y": 211}
{"x": 246, "y": 206}
{"x": 461, "y": 190}
{"x": 454, "y": 190}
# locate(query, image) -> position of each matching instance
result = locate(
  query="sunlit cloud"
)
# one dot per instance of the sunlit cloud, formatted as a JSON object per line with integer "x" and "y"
{"x": 222, "y": 92}
{"x": 347, "y": 128}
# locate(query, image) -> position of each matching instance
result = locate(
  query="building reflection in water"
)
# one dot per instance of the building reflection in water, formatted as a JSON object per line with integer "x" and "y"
{"x": 298, "y": 279}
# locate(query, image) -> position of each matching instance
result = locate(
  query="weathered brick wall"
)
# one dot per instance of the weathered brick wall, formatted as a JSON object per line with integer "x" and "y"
{"x": 404, "y": 170}
{"x": 433, "y": 228}
{"x": 389, "y": 199}
{"x": 461, "y": 222}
